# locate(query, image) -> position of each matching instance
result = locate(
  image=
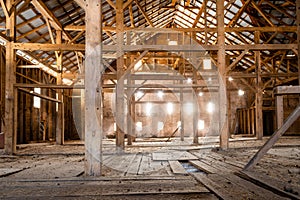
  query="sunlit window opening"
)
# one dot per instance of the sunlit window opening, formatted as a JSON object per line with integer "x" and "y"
{"x": 160, "y": 126}
{"x": 201, "y": 124}
{"x": 148, "y": 109}
{"x": 138, "y": 65}
{"x": 210, "y": 107}
{"x": 170, "y": 108}
{"x": 139, "y": 126}
{"x": 188, "y": 108}
{"x": 160, "y": 94}
{"x": 206, "y": 64}
{"x": 241, "y": 92}
{"x": 37, "y": 100}
{"x": 139, "y": 94}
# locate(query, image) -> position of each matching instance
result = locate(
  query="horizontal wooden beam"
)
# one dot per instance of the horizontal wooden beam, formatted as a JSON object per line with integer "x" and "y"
{"x": 281, "y": 90}
{"x": 22, "y": 85}
{"x": 39, "y": 95}
{"x": 173, "y": 48}
{"x": 213, "y": 30}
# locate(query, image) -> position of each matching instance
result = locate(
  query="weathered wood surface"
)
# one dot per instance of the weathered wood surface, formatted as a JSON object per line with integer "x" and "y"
{"x": 176, "y": 167}
{"x": 229, "y": 186}
{"x": 273, "y": 139}
{"x": 8, "y": 171}
{"x": 285, "y": 189}
{"x": 173, "y": 155}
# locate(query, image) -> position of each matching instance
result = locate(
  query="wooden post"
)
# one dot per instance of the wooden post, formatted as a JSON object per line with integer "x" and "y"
{"x": 120, "y": 143}
{"x": 10, "y": 79}
{"x": 93, "y": 89}
{"x": 279, "y": 110}
{"x": 259, "y": 93}
{"x": 195, "y": 110}
{"x": 224, "y": 133}
{"x": 60, "y": 112}
{"x": 298, "y": 36}
{"x": 252, "y": 121}
{"x": 181, "y": 105}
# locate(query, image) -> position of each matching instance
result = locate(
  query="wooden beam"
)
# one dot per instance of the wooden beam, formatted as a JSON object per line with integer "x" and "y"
{"x": 207, "y": 29}
{"x": 176, "y": 48}
{"x": 60, "y": 113}
{"x": 239, "y": 14}
{"x": 199, "y": 15}
{"x": 298, "y": 37}
{"x": 111, "y": 4}
{"x": 143, "y": 13}
{"x": 4, "y": 8}
{"x": 238, "y": 59}
{"x": 279, "y": 110}
{"x": 30, "y": 92}
{"x": 273, "y": 139}
{"x": 262, "y": 13}
{"x": 93, "y": 89}
{"x": 10, "y": 79}
{"x": 48, "y": 86}
{"x": 127, "y": 3}
{"x": 40, "y": 6}
{"x": 281, "y": 90}
{"x": 223, "y": 119}
{"x": 259, "y": 93}
{"x": 120, "y": 111}
{"x": 81, "y": 3}
{"x": 252, "y": 88}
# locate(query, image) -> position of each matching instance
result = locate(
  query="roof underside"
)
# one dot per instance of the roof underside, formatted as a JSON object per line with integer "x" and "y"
{"x": 32, "y": 24}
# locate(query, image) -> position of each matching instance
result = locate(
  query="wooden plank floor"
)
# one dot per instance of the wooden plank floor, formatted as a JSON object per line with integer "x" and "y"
{"x": 144, "y": 173}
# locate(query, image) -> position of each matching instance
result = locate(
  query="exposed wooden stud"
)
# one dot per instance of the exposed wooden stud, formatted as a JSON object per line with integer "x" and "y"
{"x": 93, "y": 90}
{"x": 177, "y": 48}
{"x": 279, "y": 111}
{"x": 223, "y": 119}
{"x": 120, "y": 141}
{"x": 298, "y": 37}
{"x": 10, "y": 79}
{"x": 60, "y": 112}
{"x": 259, "y": 93}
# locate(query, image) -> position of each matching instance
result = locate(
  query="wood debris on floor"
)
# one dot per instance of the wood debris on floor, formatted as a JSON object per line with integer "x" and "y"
{"x": 186, "y": 172}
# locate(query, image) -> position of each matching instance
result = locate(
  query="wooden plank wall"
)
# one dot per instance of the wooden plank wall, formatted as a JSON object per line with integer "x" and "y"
{"x": 29, "y": 118}
{"x": 2, "y": 85}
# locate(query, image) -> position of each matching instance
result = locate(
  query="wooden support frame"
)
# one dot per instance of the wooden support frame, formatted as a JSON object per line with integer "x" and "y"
{"x": 10, "y": 119}
{"x": 120, "y": 111}
{"x": 60, "y": 125}
{"x": 93, "y": 89}
{"x": 259, "y": 93}
{"x": 177, "y": 48}
{"x": 298, "y": 37}
{"x": 223, "y": 118}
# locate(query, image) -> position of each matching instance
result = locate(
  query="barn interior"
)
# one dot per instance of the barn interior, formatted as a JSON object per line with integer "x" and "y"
{"x": 128, "y": 99}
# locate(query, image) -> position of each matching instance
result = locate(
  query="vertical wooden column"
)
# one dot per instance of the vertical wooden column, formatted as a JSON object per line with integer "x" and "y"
{"x": 298, "y": 36}
{"x": 279, "y": 110}
{"x": 60, "y": 113}
{"x": 10, "y": 79}
{"x": 224, "y": 133}
{"x": 93, "y": 89}
{"x": 181, "y": 105}
{"x": 196, "y": 109}
{"x": 120, "y": 65}
{"x": 259, "y": 93}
